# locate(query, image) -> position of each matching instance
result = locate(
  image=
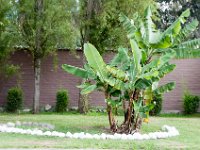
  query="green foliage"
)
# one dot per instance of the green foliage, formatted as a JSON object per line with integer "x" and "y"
{"x": 75, "y": 71}
{"x": 164, "y": 88}
{"x": 62, "y": 100}
{"x": 95, "y": 61}
{"x": 157, "y": 102}
{"x": 99, "y": 22}
{"x": 154, "y": 42}
{"x": 191, "y": 103}
{"x": 14, "y": 99}
{"x": 54, "y": 32}
{"x": 6, "y": 38}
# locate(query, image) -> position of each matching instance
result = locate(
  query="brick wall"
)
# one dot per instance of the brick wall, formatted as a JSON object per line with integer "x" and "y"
{"x": 186, "y": 74}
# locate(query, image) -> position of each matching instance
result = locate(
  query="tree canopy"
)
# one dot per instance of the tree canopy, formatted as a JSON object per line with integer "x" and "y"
{"x": 99, "y": 22}
{"x": 6, "y": 38}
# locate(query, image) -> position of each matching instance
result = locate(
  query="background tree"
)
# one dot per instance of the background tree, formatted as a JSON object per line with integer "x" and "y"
{"x": 6, "y": 41}
{"x": 43, "y": 26}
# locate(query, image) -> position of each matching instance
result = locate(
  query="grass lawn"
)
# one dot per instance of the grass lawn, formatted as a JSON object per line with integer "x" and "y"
{"x": 188, "y": 126}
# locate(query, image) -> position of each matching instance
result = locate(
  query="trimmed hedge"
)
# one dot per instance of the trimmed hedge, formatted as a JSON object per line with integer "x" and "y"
{"x": 191, "y": 103}
{"x": 62, "y": 100}
{"x": 14, "y": 99}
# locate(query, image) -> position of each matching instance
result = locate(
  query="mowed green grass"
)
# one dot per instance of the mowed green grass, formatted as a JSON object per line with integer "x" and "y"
{"x": 189, "y": 128}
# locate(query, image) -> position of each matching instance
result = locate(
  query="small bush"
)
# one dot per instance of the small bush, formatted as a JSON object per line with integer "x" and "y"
{"x": 191, "y": 103}
{"x": 157, "y": 100}
{"x": 14, "y": 99}
{"x": 61, "y": 100}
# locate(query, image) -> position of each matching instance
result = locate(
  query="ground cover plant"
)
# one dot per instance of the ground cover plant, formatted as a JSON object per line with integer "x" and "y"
{"x": 132, "y": 76}
{"x": 188, "y": 127}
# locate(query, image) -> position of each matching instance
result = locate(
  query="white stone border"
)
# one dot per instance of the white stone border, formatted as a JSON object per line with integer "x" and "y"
{"x": 167, "y": 131}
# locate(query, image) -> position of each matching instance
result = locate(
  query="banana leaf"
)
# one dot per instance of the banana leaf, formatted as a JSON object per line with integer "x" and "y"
{"x": 79, "y": 72}
{"x": 95, "y": 61}
{"x": 164, "y": 88}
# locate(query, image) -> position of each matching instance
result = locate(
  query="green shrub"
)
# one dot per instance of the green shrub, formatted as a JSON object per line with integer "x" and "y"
{"x": 191, "y": 103}
{"x": 157, "y": 100}
{"x": 61, "y": 100}
{"x": 14, "y": 99}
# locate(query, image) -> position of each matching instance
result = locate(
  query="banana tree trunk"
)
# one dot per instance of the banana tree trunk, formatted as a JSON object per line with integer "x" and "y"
{"x": 112, "y": 122}
{"x": 36, "y": 99}
{"x": 131, "y": 123}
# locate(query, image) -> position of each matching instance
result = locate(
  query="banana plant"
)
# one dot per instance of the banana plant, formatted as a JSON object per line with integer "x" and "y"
{"x": 119, "y": 77}
{"x": 133, "y": 75}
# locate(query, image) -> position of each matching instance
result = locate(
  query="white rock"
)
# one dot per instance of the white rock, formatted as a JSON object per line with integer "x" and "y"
{"x": 88, "y": 136}
{"x": 103, "y": 136}
{"x": 26, "y": 110}
{"x": 47, "y": 107}
{"x": 68, "y": 135}
{"x": 109, "y": 136}
{"x": 55, "y": 133}
{"x": 18, "y": 123}
{"x": 34, "y": 132}
{"x": 117, "y": 136}
{"x": 76, "y": 135}
{"x": 165, "y": 134}
{"x": 60, "y": 134}
{"x": 10, "y": 124}
{"x": 129, "y": 137}
{"x": 140, "y": 137}
{"x": 28, "y": 131}
{"x": 137, "y": 136}
{"x": 47, "y": 133}
{"x": 152, "y": 136}
{"x": 24, "y": 132}
{"x": 18, "y": 130}
{"x": 80, "y": 135}
{"x": 96, "y": 136}
{"x": 39, "y": 132}
{"x": 124, "y": 137}
{"x": 145, "y": 137}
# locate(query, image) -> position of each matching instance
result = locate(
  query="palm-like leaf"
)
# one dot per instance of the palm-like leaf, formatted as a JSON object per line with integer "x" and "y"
{"x": 88, "y": 89}
{"x": 79, "y": 72}
{"x": 121, "y": 59}
{"x": 182, "y": 53}
{"x": 164, "y": 88}
{"x": 186, "y": 31}
{"x": 128, "y": 25}
{"x": 95, "y": 61}
{"x": 169, "y": 35}
{"x": 175, "y": 27}
{"x": 194, "y": 44}
{"x": 188, "y": 49}
{"x": 152, "y": 35}
{"x": 167, "y": 68}
{"x": 117, "y": 73}
{"x": 137, "y": 55}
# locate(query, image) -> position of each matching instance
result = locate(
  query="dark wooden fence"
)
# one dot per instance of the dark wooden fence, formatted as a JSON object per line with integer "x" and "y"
{"x": 53, "y": 78}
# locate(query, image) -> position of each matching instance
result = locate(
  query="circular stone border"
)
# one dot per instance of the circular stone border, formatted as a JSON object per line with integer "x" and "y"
{"x": 167, "y": 131}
